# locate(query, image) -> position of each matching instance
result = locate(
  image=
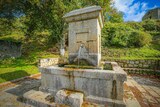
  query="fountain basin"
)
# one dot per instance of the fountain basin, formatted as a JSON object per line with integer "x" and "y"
{"x": 100, "y": 86}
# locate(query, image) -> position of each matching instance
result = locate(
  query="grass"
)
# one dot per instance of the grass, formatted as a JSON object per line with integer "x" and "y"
{"x": 26, "y": 65}
{"x": 80, "y": 66}
{"x": 131, "y": 53}
{"x": 11, "y": 73}
{"x": 13, "y": 68}
{"x": 14, "y": 37}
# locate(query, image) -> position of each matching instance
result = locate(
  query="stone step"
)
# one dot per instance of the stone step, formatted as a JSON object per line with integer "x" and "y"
{"x": 68, "y": 97}
{"x": 40, "y": 99}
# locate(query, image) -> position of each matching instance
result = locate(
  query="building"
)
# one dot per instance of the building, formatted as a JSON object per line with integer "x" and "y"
{"x": 152, "y": 14}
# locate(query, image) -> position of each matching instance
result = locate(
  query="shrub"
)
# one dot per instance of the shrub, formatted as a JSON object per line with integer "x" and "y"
{"x": 135, "y": 25}
{"x": 129, "y": 34}
{"x": 149, "y": 25}
{"x": 139, "y": 39}
{"x": 115, "y": 34}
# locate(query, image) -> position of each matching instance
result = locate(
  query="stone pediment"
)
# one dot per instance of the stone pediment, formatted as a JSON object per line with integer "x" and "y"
{"x": 83, "y": 11}
{"x": 85, "y": 14}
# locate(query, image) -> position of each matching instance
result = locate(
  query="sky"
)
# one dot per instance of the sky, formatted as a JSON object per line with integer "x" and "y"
{"x": 134, "y": 10}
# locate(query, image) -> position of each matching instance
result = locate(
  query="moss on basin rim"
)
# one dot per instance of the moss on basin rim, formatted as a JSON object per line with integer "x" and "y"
{"x": 81, "y": 67}
{"x": 106, "y": 66}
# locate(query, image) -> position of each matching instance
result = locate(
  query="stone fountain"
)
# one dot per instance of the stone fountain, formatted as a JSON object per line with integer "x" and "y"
{"x": 75, "y": 86}
{"x": 85, "y": 29}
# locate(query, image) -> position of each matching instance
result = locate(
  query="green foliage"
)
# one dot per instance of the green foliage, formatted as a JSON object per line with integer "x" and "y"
{"x": 135, "y": 25}
{"x": 131, "y": 34}
{"x": 107, "y": 66}
{"x": 34, "y": 16}
{"x": 114, "y": 16}
{"x": 116, "y": 34}
{"x": 30, "y": 59}
{"x": 146, "y": 52}
{"x": 11, "y": 73}
{"x": 13, "y": 37}
{"x": 70, "y": 67}
{"x": 151, "y": 25}
{"x": 5, "y": 27}
{"x": 12, "y": 68}
{"x": 139, "y": 39}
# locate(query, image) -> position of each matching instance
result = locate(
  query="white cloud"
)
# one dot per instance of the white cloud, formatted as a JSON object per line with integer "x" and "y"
{"x": 144, "y": 6}
{"x": 135, "y": 17}
{"x": 133, "y": 11}
{"x": 122, "y": 6}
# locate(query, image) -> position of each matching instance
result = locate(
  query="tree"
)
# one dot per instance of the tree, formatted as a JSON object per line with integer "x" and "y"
{"x": 42, "y": 15}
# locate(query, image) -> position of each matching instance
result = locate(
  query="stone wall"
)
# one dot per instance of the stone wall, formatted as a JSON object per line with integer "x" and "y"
{"x": 48, "y": 62}
{"x": 147, "y": 72}
{"x": 9, "y": 49}
{"x": 141, "y": 63}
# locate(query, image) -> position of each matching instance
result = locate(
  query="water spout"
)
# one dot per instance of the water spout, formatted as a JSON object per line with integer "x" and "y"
{"x": 83, "y": 54}
{"x": 79, "y": 53}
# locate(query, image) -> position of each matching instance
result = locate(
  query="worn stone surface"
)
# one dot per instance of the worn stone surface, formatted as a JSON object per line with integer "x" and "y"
{"x": 11, "y": 95}
{"x": 37, "y": 99}
{"x": 138, "y": 92}
{"x": 85, "y": 29}
{"x": 48, "y": 62}
{"x": 105, "y": 101}
{"x": 98, "y": 83}
{"x": 142, "y": 91}
{"x": 71, "y": 98}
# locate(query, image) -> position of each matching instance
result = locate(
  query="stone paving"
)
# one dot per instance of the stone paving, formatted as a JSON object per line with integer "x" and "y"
{"x": 142, "y": 92}
{"x": 138, "y": 92}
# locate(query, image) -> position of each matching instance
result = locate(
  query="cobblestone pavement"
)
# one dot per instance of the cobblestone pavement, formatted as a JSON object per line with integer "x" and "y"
{"x": 138, "y": 92}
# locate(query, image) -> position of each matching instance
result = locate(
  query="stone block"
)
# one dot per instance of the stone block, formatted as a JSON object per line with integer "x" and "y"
{"x": 149, "y": 62}
{"x": 38, "y": 99}
{"x": 99, "y": 83}
{"x": 137, "y": 62}
{"x": 145, "y": 66}
{"x": 141, "y": 65}
{"x": 85, "y": 29}
{"x": 130, "y": 65}
{"x": 136, "y": 65}
{"x": 70, "y": 98}
{"x": 125, "y": 65}
{"x": 105, "y": 101}
{"x": 142, "y": 61}
{"x": 128, "y": 61}
{"x": 131, "y": 62}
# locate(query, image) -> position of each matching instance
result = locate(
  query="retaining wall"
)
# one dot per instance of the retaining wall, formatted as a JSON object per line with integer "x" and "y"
{"x": 141, "y": 63}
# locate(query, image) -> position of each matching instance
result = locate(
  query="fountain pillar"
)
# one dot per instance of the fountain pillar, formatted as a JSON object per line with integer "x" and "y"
{"x": 85, "y": 28}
